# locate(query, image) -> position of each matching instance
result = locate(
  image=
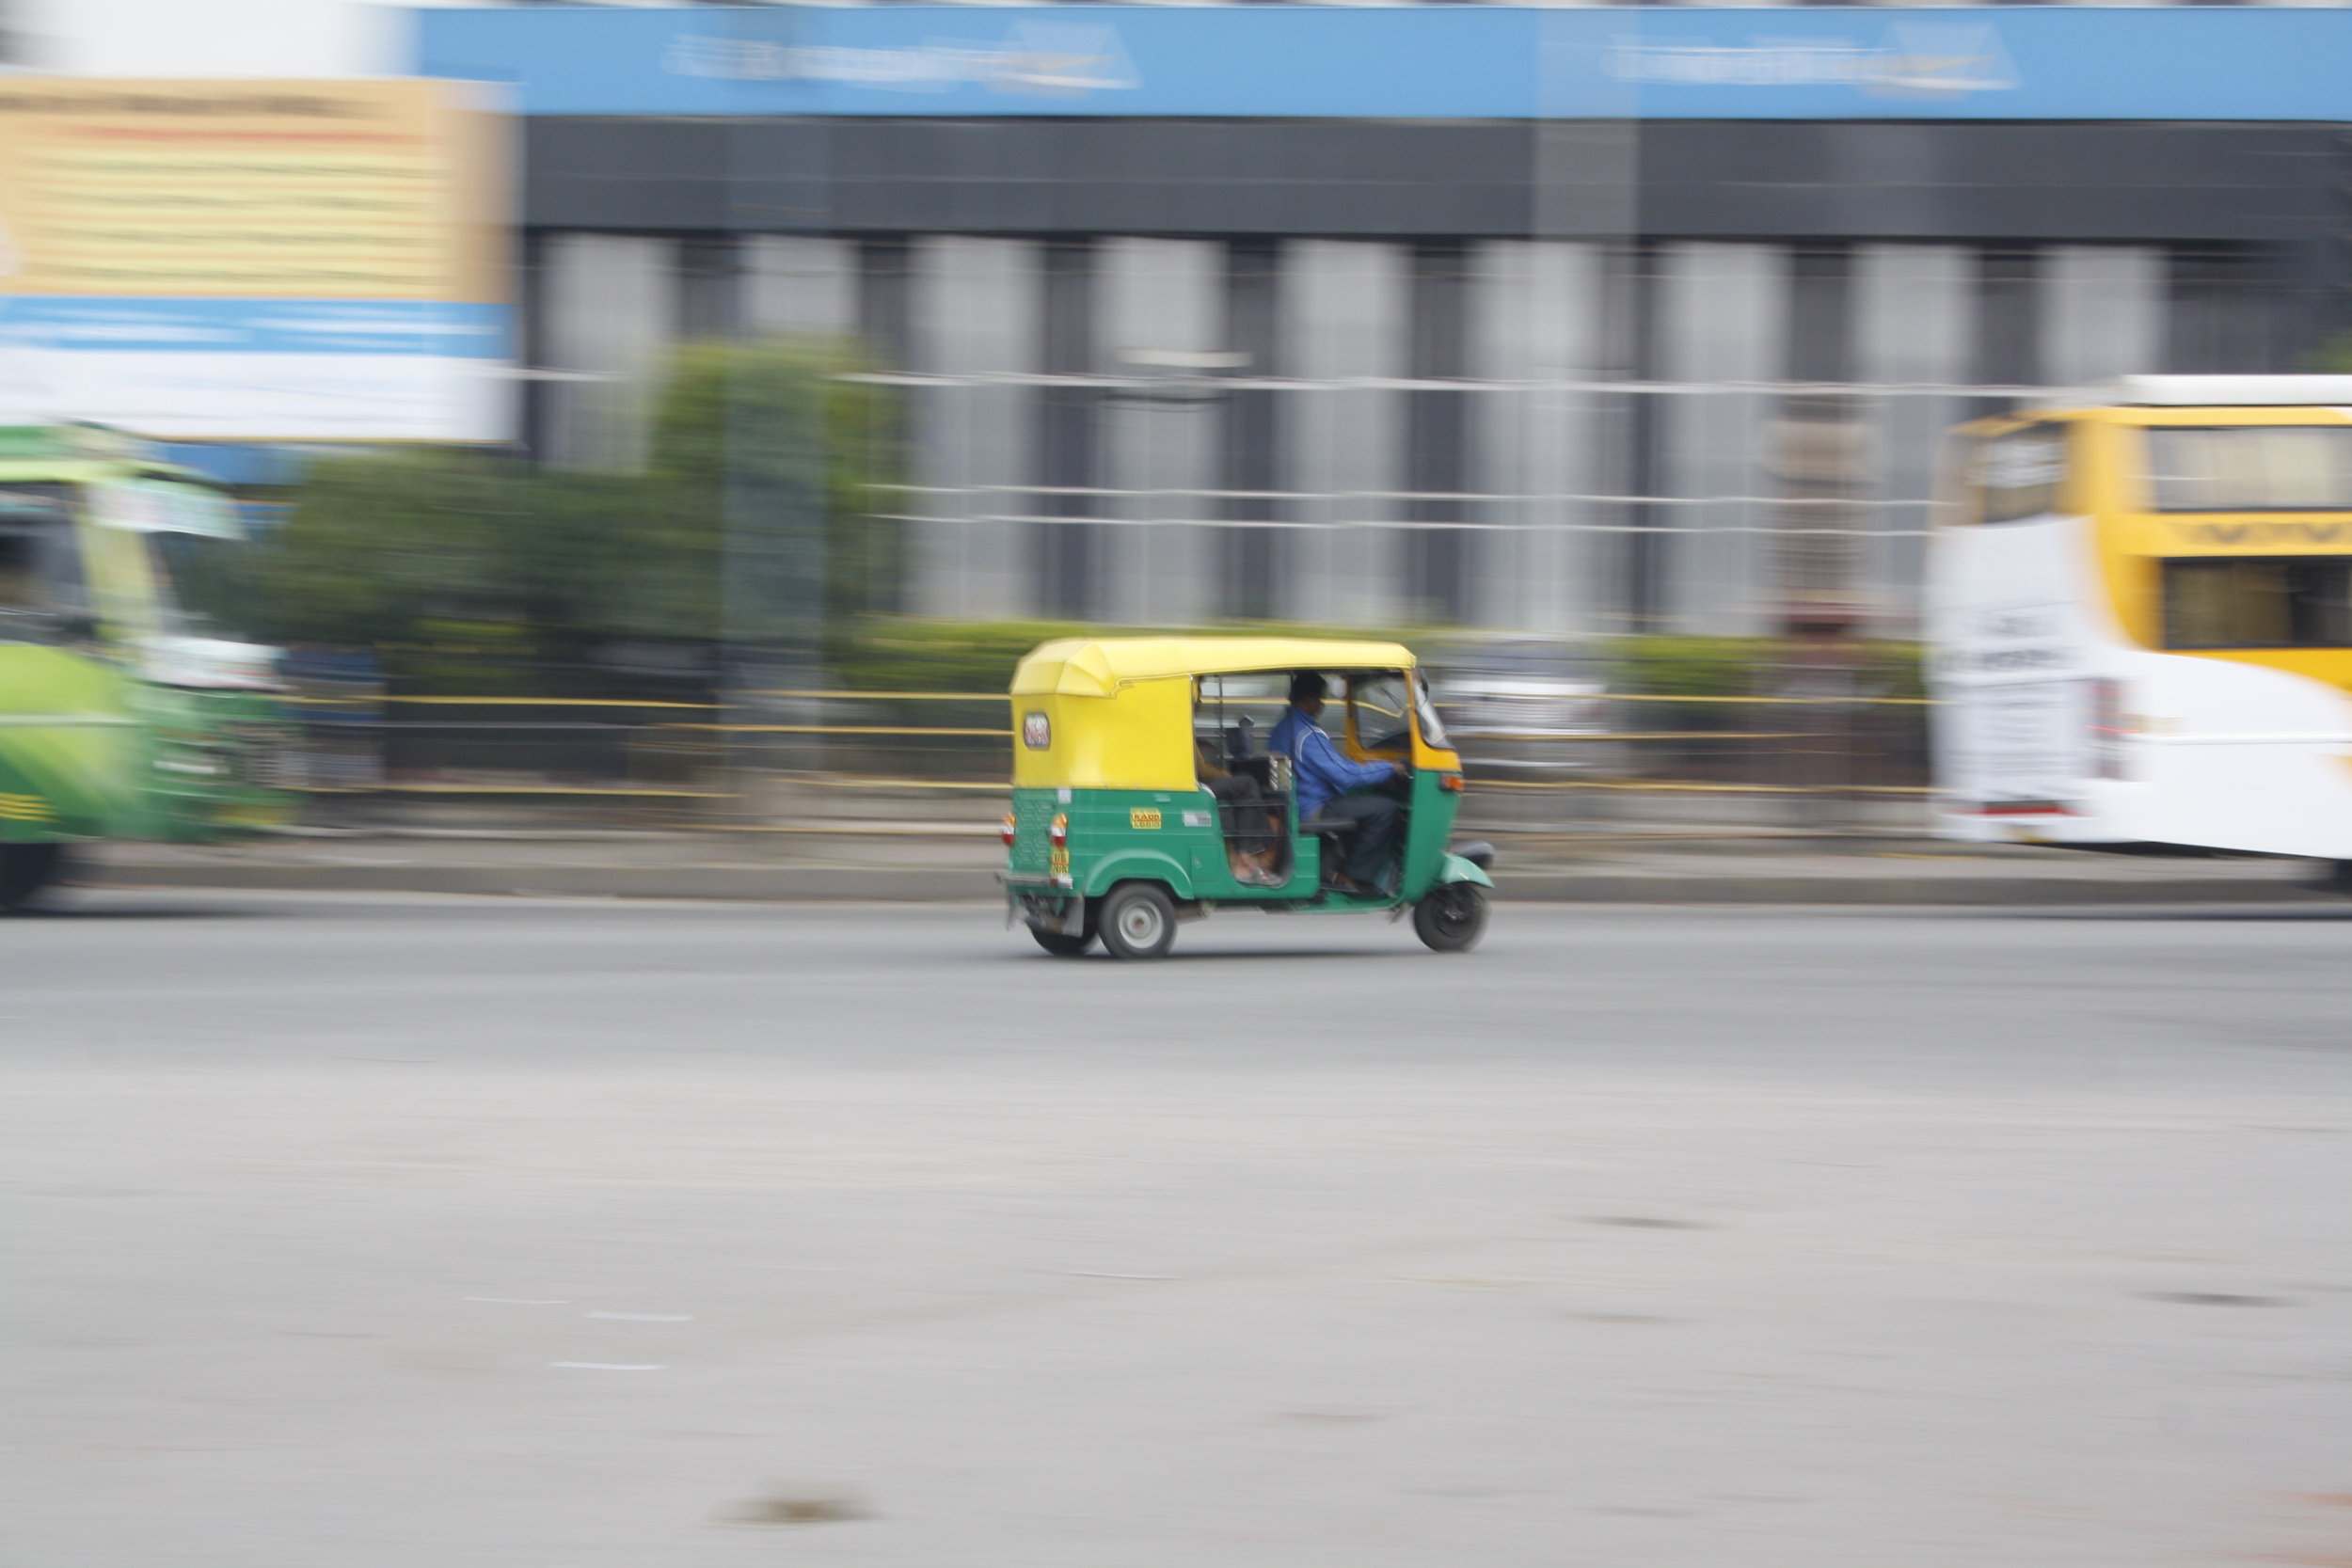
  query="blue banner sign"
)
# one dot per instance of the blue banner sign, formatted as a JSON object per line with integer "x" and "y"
{"x": 225, "y": 368}
{"x": 116, "y": 324}
{"x": 1437, "y": 62}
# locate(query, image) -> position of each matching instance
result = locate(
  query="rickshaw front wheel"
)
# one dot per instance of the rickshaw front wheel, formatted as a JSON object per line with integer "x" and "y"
{"x": 1138, "y": 921}
{"x": 1451, "y": 918}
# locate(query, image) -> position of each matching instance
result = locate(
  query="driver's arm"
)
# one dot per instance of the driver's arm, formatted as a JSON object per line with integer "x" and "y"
{"x": 1337, "y": 771}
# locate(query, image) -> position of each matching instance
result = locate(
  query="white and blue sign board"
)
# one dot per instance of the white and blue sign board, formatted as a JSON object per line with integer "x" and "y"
{"x": 1436, "y": 62}
{"x": 312, "y": 369}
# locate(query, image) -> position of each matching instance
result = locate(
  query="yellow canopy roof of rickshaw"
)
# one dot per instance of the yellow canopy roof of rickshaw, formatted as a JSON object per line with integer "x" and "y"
{"x": 1099, "y": 666}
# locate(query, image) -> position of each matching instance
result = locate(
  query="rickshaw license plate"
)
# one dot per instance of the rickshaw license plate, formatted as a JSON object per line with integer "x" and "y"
{"x": 1143, "y": 817}
{"x": 1060, "y": 862}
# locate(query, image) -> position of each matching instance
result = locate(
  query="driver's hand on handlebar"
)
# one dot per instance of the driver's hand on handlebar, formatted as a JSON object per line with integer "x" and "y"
{"x": 1400, "y": 765}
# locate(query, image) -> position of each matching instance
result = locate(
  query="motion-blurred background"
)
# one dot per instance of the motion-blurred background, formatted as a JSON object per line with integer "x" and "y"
{"x": 684, "y": 414}
{"x": 657, "y": 430}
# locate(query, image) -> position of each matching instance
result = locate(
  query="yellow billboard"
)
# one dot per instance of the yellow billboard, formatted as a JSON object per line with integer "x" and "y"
{"x": 297, "y": 260}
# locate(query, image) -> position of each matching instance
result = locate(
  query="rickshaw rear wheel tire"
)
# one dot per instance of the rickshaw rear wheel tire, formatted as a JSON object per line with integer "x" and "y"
{"x": 1451, "y": 918}
{"x": 27, "y": 870}
{"x": 1139, "y": 921}
{"x": 1063, "y": 944}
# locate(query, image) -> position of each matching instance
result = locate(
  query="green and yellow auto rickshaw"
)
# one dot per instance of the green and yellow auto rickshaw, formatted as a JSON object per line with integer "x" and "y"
{"x": 1155, "y": 778}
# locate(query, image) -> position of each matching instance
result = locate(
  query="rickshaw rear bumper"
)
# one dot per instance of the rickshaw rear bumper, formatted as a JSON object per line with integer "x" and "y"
{"x": 1043, "y": 903}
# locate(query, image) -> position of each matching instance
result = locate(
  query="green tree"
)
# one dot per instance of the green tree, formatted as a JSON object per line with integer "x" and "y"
{"x": 475, "y": 572}
{"x": 789, "y": 448}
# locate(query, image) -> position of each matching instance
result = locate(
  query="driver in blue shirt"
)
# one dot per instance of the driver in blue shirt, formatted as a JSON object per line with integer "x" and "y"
{"x": 1323, "y": 778}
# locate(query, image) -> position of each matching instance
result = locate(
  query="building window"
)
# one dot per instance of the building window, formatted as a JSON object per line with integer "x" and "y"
{"x": 2008, "y": 327}
{"x": 1251, "y": 560}
{"x": 2220, "y": 315}
{"x": 1438, "y": 565}
{"x": 1069, "y": 556}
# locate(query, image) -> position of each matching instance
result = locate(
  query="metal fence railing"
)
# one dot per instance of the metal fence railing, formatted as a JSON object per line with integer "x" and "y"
{"x": 887, "y": 762}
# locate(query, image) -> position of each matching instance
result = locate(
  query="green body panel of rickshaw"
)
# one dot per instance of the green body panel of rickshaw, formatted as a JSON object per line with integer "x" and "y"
{"x": 1176, "y": 839}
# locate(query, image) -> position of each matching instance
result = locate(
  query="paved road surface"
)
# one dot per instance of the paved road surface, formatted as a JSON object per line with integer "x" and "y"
{"x": 378, "y": 1232}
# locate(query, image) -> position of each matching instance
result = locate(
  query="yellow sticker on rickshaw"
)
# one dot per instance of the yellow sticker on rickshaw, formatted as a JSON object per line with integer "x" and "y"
{"x": 1143, "y": 817}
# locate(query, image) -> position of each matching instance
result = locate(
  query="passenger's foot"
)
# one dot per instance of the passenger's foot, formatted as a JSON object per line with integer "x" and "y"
{"x": 1253, "y": 870}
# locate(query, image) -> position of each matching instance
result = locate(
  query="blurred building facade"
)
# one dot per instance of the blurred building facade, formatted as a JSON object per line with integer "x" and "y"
{"x": 1169, "y": 373}
{"x": 1362, "y": 349}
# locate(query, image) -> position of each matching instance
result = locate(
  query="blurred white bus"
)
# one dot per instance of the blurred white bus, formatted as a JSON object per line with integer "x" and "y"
{"x": 2139, "y": 620}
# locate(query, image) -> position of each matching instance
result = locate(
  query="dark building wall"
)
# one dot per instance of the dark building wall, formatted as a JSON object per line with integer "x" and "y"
{"x": 2067, "y": 252}
{"x": 2265, "y": 206}
{"x": 1905, "y": 181}
{"x": 1699, "y": 179}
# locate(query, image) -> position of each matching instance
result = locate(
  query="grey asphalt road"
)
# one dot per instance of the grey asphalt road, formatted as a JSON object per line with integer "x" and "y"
{"x": 353, "y": 1232}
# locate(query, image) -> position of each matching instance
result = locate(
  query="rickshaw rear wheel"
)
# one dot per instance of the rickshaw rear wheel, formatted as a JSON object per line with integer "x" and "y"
{"x": 1064, "y": 945}
{"x": 1139, "y": 921}
{"x": 1451, "y": 918}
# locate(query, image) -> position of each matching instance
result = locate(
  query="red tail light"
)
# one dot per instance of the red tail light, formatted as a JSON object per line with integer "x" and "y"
{"x": 1008, "y": 829}
{"x": 1059, "y": 831}
{"x": 1450, "y": 781}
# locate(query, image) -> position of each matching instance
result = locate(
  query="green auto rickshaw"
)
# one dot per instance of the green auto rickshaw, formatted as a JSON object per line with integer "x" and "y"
{"x": 1156, "y": 779}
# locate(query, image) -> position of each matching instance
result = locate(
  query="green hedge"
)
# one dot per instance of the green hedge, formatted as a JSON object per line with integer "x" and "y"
{"x": 1740, "y": 667}
{"x": 894, "y": 654}
{"x": 905, "y": 654}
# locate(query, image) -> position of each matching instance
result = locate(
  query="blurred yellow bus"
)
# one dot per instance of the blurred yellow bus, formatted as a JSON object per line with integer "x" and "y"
{"x": 2139, "y": 620}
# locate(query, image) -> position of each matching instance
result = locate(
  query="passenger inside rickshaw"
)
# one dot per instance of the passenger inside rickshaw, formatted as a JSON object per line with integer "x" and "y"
{"x": 1250, "y": 810}
{"x": 1357, "y": 808}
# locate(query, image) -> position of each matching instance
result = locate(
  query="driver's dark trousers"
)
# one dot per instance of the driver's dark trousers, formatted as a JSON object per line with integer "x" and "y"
{"x": 1364, "y": 854}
